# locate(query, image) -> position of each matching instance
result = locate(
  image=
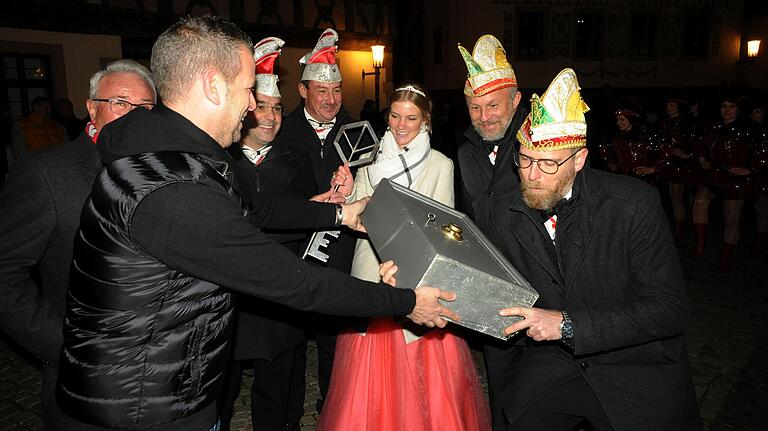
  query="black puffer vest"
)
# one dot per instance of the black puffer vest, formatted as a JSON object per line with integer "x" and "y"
{"x": 164, "y": 325}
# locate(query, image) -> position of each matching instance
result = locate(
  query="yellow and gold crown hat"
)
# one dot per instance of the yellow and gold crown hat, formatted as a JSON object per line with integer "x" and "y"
{"x": 556, "y": 120}
{"x": 487, "y": 67}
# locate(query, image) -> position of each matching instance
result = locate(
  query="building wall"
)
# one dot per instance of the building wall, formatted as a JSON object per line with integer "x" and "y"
{"x": 615, "y": 65}
{"x": 361, "y": 23}
{"x": 82, "y": 56}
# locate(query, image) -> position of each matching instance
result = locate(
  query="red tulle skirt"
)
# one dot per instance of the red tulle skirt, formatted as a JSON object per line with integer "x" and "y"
{"x": 380, "y": 383}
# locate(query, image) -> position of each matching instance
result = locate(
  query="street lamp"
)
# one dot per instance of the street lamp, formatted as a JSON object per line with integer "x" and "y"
{"x": 753, "y": 48}
{"x": 378, "y": 60}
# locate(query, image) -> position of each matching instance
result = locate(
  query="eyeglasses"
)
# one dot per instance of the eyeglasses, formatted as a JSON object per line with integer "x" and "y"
{"x": 122, "y": 107}
{"x": 548, "y": 166}
{"x": 262, "y": 108}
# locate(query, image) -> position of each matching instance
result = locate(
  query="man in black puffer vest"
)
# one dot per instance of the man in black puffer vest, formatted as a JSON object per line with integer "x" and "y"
{"x": 163, "y": 237}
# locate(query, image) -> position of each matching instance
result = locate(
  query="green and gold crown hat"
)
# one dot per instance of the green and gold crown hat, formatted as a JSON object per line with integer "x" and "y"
{"x": 556, "y": 120}
{"x": 487, "y": 67}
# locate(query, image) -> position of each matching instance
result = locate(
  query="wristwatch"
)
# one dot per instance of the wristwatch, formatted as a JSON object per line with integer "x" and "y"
{"x": 566, "y": 326}
{"x": 339, "y": 214}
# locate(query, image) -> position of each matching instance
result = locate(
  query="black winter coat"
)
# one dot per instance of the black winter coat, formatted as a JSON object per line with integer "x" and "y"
{"x": 264, "y": 330}
{"x": 482, "y": 181}
{"x": 296, "y": 132}
{"x": 40, "y": 206}
{"x": 617, "y": 274}
{"x": 148, "y": 319}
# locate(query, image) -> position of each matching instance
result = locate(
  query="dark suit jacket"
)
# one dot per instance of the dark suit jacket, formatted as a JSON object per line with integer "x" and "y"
{"x": 264, "y": 329}
{"x": 483, "y": 182}
{"x": 296, "y": 132}
{"x": 615, "y": 270}
{"x": 40, "y": 208}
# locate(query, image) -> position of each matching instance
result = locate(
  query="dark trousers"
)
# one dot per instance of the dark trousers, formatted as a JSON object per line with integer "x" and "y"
{"x": 326, "y": 333}
{"x": 325, "y": 337}
{"x": 563, "y": 409}
{"x": 501, "y": 366}
{"x": 52, "y": 415}
{"x": 277, "y": 393}
{"x": 324, "y": 327}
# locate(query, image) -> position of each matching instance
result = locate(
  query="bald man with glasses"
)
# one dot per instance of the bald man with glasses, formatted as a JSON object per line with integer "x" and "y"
{"x": 605, "y": 342}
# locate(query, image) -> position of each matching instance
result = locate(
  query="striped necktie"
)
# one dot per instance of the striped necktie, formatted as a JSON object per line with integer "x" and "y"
{"x": 256, "y": 156}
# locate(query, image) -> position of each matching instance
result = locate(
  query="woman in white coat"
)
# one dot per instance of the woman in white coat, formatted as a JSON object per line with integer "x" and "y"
{"x": 394, "y": 377}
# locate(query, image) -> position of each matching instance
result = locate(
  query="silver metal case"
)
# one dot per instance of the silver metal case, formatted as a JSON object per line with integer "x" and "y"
{"x": 416, "y": 233}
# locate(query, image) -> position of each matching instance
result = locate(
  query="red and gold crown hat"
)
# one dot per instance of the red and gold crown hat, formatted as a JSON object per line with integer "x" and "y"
{"x": 487, "y": 67}
{"x": 321, "y": 62}
{"x": 264, "y": 54}
{"x": 556, "y": 120}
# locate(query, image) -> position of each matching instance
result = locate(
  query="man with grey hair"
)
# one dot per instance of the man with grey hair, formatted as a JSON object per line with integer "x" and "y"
{"x": 40, "y": 207}
{"x": 120, "y": 87}
{"x": 164, "y": 238}
{"x": 485, "y": 155}
{"x": 486, "y": 159}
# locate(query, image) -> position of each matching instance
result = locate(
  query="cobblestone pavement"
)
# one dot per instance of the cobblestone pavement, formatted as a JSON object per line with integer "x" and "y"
{"x": 728, "y": 347}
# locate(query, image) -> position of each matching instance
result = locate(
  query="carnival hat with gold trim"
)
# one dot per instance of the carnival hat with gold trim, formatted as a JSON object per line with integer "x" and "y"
{"x": 556, "y": 120}
{"x": 321, "y": 62}
{"x": 264, "y": 54}
{"x": 488, "y": 67}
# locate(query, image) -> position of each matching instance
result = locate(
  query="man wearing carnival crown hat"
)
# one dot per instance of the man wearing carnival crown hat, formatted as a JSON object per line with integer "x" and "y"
{"x": 605, "y": 341}
{"x": 312, "y": 127}
{"x": 278, "y": 354}
{"x": 493, "y": 100}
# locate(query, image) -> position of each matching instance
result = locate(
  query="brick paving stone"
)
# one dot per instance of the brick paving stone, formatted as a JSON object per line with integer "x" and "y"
{"x": 6, "y": 404}
{"x": 746, "y": 407}
{"x": 31, "y": 419}
{"x": 27, "y": 401}
{"x": 16, "y": 416}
